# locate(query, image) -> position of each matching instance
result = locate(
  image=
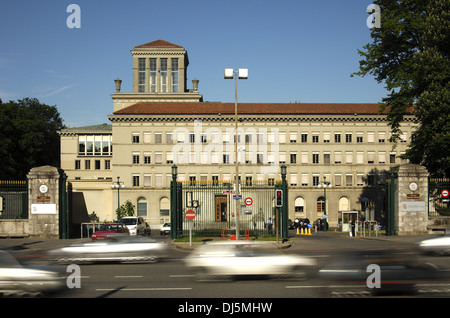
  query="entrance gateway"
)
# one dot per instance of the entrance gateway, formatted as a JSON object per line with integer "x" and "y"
{"x": 215, "y": 210}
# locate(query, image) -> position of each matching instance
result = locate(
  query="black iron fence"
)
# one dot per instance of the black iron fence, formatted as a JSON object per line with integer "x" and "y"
{"x": 13, "y": 199}
{"x": 438, "y": 197}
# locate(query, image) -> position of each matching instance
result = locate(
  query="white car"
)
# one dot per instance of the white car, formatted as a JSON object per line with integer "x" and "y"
{"x": 438, "y": 245}
{"x": 135, "y": 224}
{"x": 165, "y": 229}
{"x": 243, "y": 258}
{"x": 17, "y": 279}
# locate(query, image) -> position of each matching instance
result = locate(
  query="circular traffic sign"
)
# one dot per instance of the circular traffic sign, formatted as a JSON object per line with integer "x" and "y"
{"x": 190, "y": 215}
{"x": 248, "y": 201}
{"x": 445, "y": 193}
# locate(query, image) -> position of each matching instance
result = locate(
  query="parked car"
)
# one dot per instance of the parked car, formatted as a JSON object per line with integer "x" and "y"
{"x": 165, "y": 229}
{"x": 20, "y": 280}
{"x": 136, "y": 225}
{"x": 106, "y": 231}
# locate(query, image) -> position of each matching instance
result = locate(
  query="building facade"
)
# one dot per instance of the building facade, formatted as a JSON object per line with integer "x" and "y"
{"x": 161, "y": 123}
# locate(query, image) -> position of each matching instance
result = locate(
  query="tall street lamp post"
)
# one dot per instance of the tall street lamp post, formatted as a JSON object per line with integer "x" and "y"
{"x": 118, "y": 185}
{"x": 325, "y": 184}
{"x": 242, "y": 73}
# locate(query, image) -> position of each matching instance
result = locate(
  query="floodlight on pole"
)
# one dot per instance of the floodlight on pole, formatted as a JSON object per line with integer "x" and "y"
{"x": 242, "y": 73}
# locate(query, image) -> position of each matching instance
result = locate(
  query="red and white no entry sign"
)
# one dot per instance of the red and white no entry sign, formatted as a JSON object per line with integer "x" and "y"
{"x": 248, "y": 201}
{"x": 445, "y": 193}
{"x": 190, "y": 215}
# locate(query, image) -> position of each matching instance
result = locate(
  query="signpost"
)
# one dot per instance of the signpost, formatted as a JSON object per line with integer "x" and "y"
{"x": 248, "y": 201}
{"x": 445, "y": 193}
{"x": 190, "y": 215}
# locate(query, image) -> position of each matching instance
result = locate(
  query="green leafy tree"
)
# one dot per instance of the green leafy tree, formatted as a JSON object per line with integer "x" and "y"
{"x": 409, "y": 54}
{"x": 126, "y": 209}
{"x": 28, "y": 135}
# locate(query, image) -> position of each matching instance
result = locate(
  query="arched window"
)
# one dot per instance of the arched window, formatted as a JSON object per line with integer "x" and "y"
{"x": 299, "y": 204}
{"x": 344, "y": 204}
{"x": 142, "y": 207}
{"x": 164, "y": 207}
{"x": 364, "y": 203}
{"x": 321, "y": 205}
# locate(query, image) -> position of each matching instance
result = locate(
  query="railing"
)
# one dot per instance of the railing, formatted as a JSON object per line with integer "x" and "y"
{"x": 13, "y": 199}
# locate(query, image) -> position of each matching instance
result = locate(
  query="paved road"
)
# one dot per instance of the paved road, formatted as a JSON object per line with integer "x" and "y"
{"x": 172, "y": 279}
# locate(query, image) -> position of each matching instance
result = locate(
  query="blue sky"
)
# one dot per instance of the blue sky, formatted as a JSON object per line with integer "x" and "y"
{"x": 296, "y": 51}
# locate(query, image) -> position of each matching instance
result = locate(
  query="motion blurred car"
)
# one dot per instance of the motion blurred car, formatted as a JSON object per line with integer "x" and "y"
{"x": 19, "y": 280}
{"x": 399, "y": 273}
{"x": 165, "y": 229}
{"x": 136, "y": 225}
{"x": 241, "y": 259}
{"x": 106, "y": 231}
{"x": 124, "y": 249}
{"x": 439, "y": 245}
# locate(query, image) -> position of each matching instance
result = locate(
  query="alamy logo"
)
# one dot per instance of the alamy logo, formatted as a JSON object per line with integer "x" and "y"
{"x": 74, "y": 19}
{"x": 74, "y": 279}
{"x": 214, "y": 146}
{"x": 374, "y": 279}
{"x": 374, "y": 19}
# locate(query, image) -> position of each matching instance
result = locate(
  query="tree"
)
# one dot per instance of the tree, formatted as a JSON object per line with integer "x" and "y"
{"x": 126, "y": 209}
{"x": 29, "y": 138}
{"x": 409, "y": 54}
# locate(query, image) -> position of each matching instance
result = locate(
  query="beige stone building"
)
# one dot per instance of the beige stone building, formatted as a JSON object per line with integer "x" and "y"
{"x": 162, "y": 123}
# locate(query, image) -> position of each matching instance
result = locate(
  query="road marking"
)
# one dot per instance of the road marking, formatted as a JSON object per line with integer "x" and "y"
{"x": 178, "y": 276}
{"x": 145, "y": 289}
{"x": 128, "y": 276}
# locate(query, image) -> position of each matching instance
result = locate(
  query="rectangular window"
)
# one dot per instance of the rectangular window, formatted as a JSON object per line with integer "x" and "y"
{"x": 348, "y": 137}
{"x": 141, "y": 75}
{"x": 107, "y": 164}
{"x": 163, "y": 73}
{"x": 97, "y": 164}
{"x": 337, "y": 138}
{"x": 315, "y": 157}
{"x": 135, "y": 138}
{"x": 174, "y": 65}
{"x": 147, "y": 158}
{"x": 135, "y": 158}
{"x": 152, "y": 76}
{"x": 77, "y": 165}
{"x": 293, "y": 158}
{"x": 304, "y": 137}
{"x": 158, "y": 138}
{"x": 135, "y": 181}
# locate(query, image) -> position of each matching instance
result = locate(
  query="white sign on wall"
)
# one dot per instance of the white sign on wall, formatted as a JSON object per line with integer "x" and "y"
{"x": 43, "y": 209}
{"x": 413, "y": 206}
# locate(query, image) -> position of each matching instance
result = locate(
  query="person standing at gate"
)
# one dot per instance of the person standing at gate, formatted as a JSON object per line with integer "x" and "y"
{"x": 270, "y": 225}
{"x": 352, "y": 227}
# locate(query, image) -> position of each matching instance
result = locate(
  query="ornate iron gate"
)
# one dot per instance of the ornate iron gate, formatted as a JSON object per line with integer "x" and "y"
{"x": 214, "y": 205}
{"x": 438, "y": 198}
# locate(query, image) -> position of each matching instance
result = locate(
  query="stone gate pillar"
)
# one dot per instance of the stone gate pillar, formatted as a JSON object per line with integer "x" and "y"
{"x": 412, "y": 196}
{"x": 43, "y": 202}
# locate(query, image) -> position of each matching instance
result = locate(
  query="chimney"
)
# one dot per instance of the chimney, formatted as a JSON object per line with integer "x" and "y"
{"x": 118, "y": 84}
{"x": 195, "y": 84}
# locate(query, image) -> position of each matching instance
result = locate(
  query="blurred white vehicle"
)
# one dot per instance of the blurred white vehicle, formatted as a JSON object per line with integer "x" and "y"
{"x": 135, "y": 224}
{"x": 125, "y": 249}
{"x": 438, "y": 245}
{"x": 17, "y": 279}
{"x": 247, "y": 259}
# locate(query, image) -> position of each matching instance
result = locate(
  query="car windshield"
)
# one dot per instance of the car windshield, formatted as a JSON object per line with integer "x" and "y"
{"x": 128, "y": 221}
{"x": 108, "y": 227}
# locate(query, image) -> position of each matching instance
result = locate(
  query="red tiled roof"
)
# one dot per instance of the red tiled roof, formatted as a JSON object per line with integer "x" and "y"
{"x": 249, "y": 108}
{"x": 158, "y": 44}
